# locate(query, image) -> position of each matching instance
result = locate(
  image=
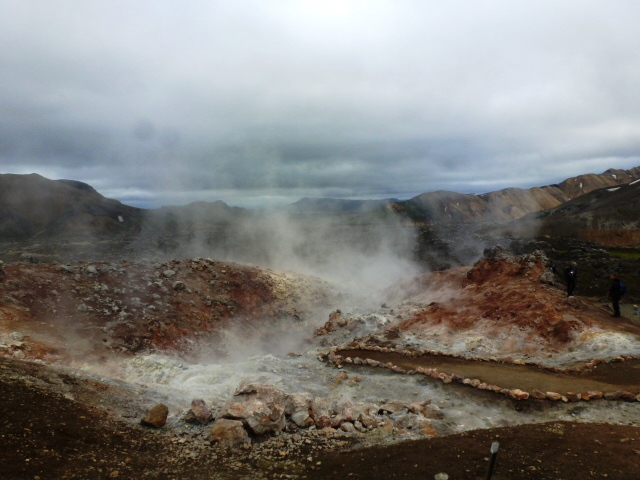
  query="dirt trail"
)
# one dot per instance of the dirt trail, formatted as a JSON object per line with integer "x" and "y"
{"x": 615, "y": 376}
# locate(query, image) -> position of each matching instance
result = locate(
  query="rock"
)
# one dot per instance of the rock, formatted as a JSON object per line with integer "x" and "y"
{"x": 538, "y": 395}
{"x": 612, "y": 395}
{"x": 393, "y": 407}
{"x": 425, "y": 428}
{"x": 179, "y": 286}
{"x": 299, "y": 407}
{"x": 169, "y": 273}
{"x": 30, "y": 257}
{"x": 347, "y": 427}
{"x": 337, "y": 421}
{"x": 344, "y": 408}
{"x": 433, "y": 411}
{"x": 199, "y": 413}
{"x": 368, "y": 421}
{"x": 628, "y": 396}
{"x": 261, "y": 408}
{"x": 418, "y": 407}
{"x": 91, "y": 271}
{"x": 574, "y": 397}
{"x": 322, "y": 421}
{"x": 16, "y": 336}
{"x": 229, "y": 432}
{"x": 518, "y": 394}
{"x": 156, "y": 417}
{"x": 497, "y": 254}
{"x": 319, "y": 407}
{"x": 547, "y": 278}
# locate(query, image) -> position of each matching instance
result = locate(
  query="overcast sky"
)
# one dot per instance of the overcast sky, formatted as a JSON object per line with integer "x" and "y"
{"x": 254, "y": 102}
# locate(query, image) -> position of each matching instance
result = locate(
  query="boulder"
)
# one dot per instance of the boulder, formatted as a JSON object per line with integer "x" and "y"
{"x": 198, "y": 413}
{"x": 298, "y": 407}
{"x": 156, "y": 417}
{"x": 261, "y": 408}
{"x": 323, "y": 421}
{"x": 229, "y": 432}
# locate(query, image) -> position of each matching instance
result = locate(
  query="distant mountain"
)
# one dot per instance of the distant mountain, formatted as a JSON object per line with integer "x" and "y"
{"x": 32, "y": 206}
{"x": 335, "y": 205}
{"x": 601, "y": 207}
{"x": 443, "y": 207}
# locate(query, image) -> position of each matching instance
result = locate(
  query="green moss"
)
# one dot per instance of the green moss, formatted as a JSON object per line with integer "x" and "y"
{"x": 625, "y": 253}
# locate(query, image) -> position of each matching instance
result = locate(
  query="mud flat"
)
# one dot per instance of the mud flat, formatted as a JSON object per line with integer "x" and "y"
{"x": 605, "y": 378}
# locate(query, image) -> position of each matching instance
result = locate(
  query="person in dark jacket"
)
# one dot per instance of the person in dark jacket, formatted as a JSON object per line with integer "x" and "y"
{"x": 571, "y": 276}
{"x": 615, "y": 294}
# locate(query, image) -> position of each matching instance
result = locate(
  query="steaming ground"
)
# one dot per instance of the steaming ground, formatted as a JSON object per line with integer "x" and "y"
{"x": 300, "y": 370}
{"x": 214, "y": 325}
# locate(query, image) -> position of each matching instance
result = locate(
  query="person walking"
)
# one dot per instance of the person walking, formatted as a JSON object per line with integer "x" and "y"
{"x": 615, "y": 294}
{"x": 571, "y": 276}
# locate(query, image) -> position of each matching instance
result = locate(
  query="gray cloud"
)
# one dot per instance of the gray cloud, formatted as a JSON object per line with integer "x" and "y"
{"x": 260, "y": 102}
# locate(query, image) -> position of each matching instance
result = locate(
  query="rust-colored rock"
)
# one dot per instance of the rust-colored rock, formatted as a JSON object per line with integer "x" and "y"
{"x": 156, "y": 417}
{"x": 229, "y": 432}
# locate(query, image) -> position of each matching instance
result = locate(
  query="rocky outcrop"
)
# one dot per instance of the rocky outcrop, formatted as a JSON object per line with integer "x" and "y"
{"x": 264, "y": 410}
{"x": 151, "y": 306}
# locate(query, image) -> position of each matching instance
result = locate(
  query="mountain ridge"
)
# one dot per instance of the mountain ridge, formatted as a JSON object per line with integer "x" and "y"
{"x": 502, "y": 206}
{"x": 33, "y": 207}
